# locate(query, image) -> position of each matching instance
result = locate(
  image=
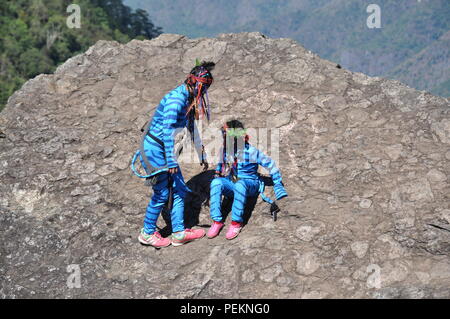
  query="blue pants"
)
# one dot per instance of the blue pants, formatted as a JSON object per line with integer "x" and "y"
{"x": 239, "y": 191}
{"x": 155, "y": 155}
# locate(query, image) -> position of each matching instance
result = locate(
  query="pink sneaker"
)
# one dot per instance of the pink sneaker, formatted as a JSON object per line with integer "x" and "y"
{"x": 234, "y": 230}
{"x": 186, "y": 236}
{"x": 214, "y": 230}
{"x": 155, "y": 239}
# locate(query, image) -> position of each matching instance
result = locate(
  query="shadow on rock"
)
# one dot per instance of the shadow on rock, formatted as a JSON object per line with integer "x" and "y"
{"x": 199, "y": 184}
{"x": 199, "y": 197}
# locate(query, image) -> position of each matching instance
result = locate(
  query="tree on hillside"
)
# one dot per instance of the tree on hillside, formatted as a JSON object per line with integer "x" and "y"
{"x": 131, "y": 23}
{"x": 35, "y": 39}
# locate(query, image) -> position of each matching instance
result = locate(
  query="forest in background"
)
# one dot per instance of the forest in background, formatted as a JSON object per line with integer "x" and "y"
{"x": 35, "y": 38}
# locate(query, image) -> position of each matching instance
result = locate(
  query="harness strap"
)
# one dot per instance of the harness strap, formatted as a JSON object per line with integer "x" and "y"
{"x": 142, "y": 151}
{"x": 149, "y": 169}
{"x": 170, "y": 200}
{"x": 157, "y": 140}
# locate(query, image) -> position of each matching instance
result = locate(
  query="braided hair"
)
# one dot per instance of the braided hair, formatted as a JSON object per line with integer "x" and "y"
{"x": 235, "y": 124}
{"x": 198, "y": 81}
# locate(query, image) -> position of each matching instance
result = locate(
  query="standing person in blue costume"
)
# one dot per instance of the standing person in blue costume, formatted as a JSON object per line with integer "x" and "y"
{"x": 177, "y": 110}
{"x": 237, "y": 177}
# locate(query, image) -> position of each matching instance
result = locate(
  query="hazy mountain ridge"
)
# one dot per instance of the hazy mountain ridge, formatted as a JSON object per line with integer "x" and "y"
{"x": 334, "y": 29}
{"x": 428, "y": 67}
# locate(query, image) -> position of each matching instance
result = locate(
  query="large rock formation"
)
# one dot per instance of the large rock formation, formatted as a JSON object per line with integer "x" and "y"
{"x": 365, "y": 161}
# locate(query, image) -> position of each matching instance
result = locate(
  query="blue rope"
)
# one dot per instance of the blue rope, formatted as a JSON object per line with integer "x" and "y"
{"x": 261, "y": 192}
{"x": 133, "y": 168}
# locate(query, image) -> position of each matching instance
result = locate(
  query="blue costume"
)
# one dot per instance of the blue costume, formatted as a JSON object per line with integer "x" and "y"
{"x": 170, "y": 117}
{"x": 248, "y": 182}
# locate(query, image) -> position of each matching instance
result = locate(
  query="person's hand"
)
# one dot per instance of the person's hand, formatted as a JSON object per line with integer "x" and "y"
{"x": 274, "y": 210}
{"x": 285, "y": 206}
{"x": 173, "y": 170}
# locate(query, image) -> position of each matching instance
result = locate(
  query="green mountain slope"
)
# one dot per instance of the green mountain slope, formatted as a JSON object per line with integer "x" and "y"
{"x": 428, "y": 67}
{"x": 35, "y": 38}
{"x": 334, "y": 29}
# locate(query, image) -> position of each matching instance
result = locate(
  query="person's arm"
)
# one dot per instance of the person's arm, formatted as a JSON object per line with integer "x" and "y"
{"x": 172, "y": 107}
{"x": 269, "y": 164}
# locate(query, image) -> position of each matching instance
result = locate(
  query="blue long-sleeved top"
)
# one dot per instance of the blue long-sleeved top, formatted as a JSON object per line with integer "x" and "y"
{"x": 248, "y": 160}
{"x": 170, "y": 116}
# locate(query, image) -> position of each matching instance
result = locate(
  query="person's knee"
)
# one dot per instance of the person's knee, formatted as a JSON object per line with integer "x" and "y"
{"x": 216, "y": 182}
{"x": 240, "y": 187}
{"x": 161, "y": 195}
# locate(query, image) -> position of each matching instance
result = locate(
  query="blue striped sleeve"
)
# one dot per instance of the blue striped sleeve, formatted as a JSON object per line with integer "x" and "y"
{"x": 172, "y": 109}
{"x": 269, "y": 164}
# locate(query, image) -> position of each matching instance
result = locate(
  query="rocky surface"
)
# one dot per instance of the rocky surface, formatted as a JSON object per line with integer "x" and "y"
{"x": 366, "y": 162}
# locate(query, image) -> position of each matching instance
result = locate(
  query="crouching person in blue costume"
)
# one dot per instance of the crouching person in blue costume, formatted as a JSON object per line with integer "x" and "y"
{"x": 177, "y": 110}
{"x": 237, "y": 177}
